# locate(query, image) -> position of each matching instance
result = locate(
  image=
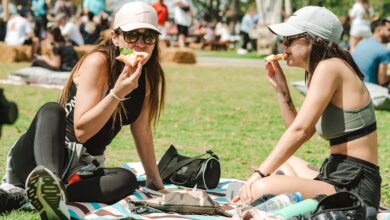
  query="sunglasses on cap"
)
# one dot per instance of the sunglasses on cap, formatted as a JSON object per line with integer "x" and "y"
{"x": 149, "y": 36}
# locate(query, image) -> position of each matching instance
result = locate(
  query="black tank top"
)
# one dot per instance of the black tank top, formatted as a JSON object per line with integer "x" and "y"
{"x": 96, "y": 145}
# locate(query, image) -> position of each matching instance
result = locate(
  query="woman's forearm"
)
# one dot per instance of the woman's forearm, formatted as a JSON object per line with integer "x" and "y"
{"x": 288, "y": 144}
{"x": 287, "y": 108}
{"x": 89, "y": 123}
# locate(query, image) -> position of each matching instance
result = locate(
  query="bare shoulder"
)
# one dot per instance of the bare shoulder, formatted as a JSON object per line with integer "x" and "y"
{"x": 331, "y": 65}
{"x": 93, "y": 70}
{"x": 96, "y": 60}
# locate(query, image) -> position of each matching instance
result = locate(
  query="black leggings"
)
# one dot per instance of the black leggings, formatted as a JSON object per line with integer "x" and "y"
{"x": 44, "y": 144}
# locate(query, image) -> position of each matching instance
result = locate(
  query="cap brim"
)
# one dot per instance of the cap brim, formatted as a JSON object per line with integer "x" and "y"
{"x": 284, "y": 29}
{"x": 134, "y": 26}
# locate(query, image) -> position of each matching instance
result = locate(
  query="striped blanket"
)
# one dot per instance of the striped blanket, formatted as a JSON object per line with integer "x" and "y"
{"x": 122, "y": 209}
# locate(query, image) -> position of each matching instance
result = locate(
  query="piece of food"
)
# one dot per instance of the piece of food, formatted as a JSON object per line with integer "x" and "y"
{"x": 275, "y": 57}
{"x": 127, "y": 55}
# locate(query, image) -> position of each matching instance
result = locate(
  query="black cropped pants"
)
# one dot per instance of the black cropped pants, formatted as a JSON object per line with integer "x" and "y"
{"x": 44, "y": 144}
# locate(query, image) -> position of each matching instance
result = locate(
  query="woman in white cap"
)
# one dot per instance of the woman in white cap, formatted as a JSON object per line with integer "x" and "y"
{"x": 337, "y": 106}
{"x": 101, "y": 95}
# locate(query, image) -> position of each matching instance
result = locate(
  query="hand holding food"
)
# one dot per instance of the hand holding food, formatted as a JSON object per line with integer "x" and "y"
{"x": 127, "y": 55}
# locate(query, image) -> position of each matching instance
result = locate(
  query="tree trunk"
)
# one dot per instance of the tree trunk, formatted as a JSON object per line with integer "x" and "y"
{"x": 5, "y": 10}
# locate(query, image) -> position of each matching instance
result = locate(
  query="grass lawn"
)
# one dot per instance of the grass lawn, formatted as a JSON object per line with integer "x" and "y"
{"x": 231, "y": 53}
{"x": 232, "y": 111}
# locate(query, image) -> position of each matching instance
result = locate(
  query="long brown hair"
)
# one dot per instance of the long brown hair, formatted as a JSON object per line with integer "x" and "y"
{"x": 155, "y": 77}
{"x": 322, "y": 49}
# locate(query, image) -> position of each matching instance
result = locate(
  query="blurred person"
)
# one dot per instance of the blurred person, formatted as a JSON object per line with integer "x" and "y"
{"x": 69, "y": 30}
{"x": 94, "y": 6}
{"x": 63, "y": 6}
{"x": 19, "y": 30}
{"x": 371, "y": 54}
{"x": 361, "y": 14}
{"x": 110, "y": 95}
{"x": 62, "y": 58}
{"x": 246, "y": 26}
{"x": 183, "y": 13}
{"x": 337, "y": 106}
{"x": 40, "y": 8}
{"x": 90, "y": 30}
{"x": 163, "y": 17}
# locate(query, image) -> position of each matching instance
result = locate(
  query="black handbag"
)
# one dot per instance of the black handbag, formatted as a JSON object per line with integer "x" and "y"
{"x": 341, "y": 205}
{"x": 204, "y": 173}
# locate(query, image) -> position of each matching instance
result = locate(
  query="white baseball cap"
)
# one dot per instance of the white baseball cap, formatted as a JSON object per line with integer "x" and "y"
{"x": 312, "y": 19}
{"x": 135, "y": 15}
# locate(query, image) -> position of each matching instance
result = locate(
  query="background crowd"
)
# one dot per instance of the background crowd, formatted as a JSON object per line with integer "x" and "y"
{"x": 181, "y": 24}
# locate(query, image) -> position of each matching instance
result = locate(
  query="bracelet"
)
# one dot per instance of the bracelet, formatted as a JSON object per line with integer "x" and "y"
{"x": 116, "y": 97}
{"x": 261, "y": 174}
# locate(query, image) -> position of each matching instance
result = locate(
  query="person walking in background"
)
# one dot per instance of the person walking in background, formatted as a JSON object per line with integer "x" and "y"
{"x": 371, "y": 54}
{"x": 361, "y": 14}
{"x": 247, "y": 25}
{"x": 94, "y": 6}
{"x": 337, "y": 105}
{"x": 40, "y": 8}
{"x": 183, "y": 18}
{"x": 110, "y": 95}
{"x": 163, "y": 17}
{"x": 62, "y": 58}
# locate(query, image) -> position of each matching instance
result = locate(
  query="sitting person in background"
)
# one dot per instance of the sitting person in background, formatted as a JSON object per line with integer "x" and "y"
{"x": 19, "y": 30}
{"x": 69, "y": 30}
{"x": 63, "y": 56}
{"x": 90, "y": 30}
{"x": 372, "y": 56}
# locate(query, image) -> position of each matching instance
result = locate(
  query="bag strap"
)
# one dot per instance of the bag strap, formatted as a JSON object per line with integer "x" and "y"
{"x": 171, "y": 169}
{"x": 166, "y": 158}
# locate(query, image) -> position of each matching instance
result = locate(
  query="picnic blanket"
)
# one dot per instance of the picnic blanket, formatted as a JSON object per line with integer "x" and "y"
{"x": 122, "y": 209}
{"x": 380, "y": 95}
{"x": 38, "y": 76}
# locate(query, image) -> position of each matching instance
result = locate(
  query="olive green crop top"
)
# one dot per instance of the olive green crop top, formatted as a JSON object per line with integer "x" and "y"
{"x": 340, "y": 126}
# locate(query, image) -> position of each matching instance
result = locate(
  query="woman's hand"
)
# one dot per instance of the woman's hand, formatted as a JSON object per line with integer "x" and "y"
{"x": 245, "y": 192}
{"x": 155, "y": 184}
{"x": 127, "y": 80}
{"x": 275, "y": 75}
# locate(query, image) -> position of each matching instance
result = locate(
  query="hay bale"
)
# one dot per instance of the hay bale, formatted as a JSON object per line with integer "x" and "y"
{"x": 176, "y": 55}
{"x": 82, "y": 50}
{"x": 19, "y": 53}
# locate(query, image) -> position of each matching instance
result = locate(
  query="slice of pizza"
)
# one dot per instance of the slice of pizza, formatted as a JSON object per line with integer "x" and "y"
{"x": 275, "y": 57}
{"x": 127, "y": 55}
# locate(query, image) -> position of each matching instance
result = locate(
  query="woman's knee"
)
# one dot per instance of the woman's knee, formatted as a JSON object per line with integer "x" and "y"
{"x": 127, "y": 179}
{"x": 51, "y": 108}
{"x": 125, "y": 184}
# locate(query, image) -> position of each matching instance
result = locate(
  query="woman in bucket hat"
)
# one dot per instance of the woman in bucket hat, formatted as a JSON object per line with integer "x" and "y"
{"x": 101, "y": 95}
{"x": 337, "y": 106}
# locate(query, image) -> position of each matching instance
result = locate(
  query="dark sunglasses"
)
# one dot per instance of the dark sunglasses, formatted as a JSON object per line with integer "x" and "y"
{"x": 149, "y": 37}
{"x": 290, "y": 39}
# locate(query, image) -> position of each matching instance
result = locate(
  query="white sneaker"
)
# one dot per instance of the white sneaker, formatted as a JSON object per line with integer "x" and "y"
{"x": 46, "y": 194}
{"x": 241, "y": 51}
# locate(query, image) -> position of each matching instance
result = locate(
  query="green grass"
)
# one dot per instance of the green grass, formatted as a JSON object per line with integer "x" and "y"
{"x": 231, "y": 53}
{"x": 232, "y": 111}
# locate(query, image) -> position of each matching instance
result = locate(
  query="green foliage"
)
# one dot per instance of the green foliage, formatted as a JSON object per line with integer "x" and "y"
{"x": 231, "y": 110}
{"x": 341, "y": 7}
